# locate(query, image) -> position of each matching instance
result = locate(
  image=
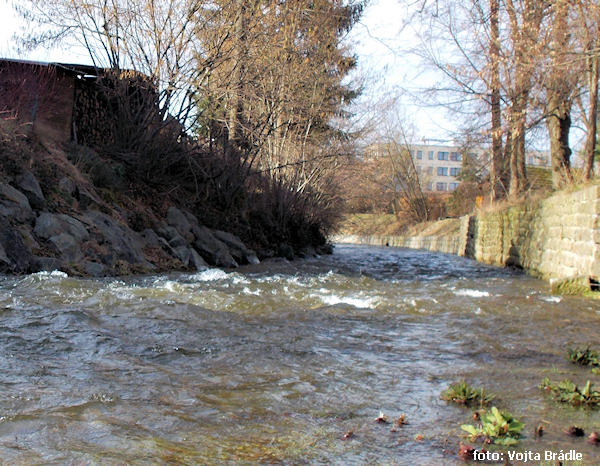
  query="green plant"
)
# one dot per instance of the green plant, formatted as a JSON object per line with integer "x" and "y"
{"x": 567, "y": 392}
{"x": 496, "y": 426}
{"x": 583, "y": 357}
{"x": 464, "y": 394}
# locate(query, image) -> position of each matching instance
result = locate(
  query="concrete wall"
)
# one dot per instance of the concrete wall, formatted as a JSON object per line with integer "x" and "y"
{"x": 555, "y": 238}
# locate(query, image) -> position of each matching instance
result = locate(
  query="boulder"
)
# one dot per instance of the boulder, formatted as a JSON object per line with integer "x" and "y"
{"x": 307, "y": 251}
{"x": 178, "y": 241}
{"x": 285, "y": 250}
{"x": 167, "y": 232}
{"x": 29, "y": 185}
{"x": 238, "y": 250}
{"x": 125, "y": 244}
{"x": 93, "y": 269}
{"x": 183, "y": 254}
{"x": 215, "y": 252}
{"x": 67, "y": 186}
{"x": 197, "y": 261}
{"x": 27, "y": 237}
{"x": 44, "y": 264}
{"x": 178, "y": 220}
{"x": 68, "y": 247}
{"x": 48, "y": 225}
{"x": 14, "y": 204}
{"x": 15, "y": 257}
{"x": 151, "y": 238}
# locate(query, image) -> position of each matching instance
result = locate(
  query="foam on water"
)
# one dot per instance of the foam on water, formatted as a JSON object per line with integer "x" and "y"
{"x": 332, "y": 300}
{"x": 209, "y": 275}
{"x": 472, "y": 293}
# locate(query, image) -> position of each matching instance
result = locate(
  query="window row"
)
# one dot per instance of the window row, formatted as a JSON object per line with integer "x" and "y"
{"x": 441, "y": 155}
{"x": 440, "y": 186}
{"x": 441, "y": 171}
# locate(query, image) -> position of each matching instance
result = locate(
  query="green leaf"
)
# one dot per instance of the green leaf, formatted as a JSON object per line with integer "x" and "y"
{"x": 470, "y": 429}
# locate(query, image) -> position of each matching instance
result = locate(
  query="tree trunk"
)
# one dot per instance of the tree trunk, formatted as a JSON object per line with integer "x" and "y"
{"x": 498, "y": 165}
{"x": 590, "y": 141}
{"x": 237, "y": 73}
{"x": 558, "y": 109}
{"x": 559, "y": 125}
{"x": 518, "y": 173}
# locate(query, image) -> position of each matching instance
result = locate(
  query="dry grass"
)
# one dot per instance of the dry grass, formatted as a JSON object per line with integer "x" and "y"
{"x": 371, "y": 224}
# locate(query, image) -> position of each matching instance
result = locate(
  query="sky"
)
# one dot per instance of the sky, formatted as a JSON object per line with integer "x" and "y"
{"x": 378, "y": 41}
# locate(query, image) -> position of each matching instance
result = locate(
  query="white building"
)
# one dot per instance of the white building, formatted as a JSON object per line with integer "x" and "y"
{"x": 438, "y": 166}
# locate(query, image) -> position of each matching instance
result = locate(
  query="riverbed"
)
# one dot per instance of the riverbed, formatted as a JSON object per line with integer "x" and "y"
{"x": 279, "y": 362}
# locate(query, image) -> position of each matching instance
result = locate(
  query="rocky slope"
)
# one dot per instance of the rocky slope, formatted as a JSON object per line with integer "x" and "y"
{"x": 53, "y": 216}
{"x": 92, "y": 242}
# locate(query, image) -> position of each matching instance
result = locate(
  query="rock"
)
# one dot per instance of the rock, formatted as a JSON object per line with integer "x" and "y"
{"x": 125, "y": 244}
{"x": 48, "y": 225}
{"x": 167, "y": 232}
{"x": 14, "y": 255}
{"x": 5, "y": 262}
{"x": 178, "y": 241}
{"x": 28, "y": 238}
{"x": 238, "y": 250}
{"x": 307, "y": 251}
{"x": 167, "y": 247}
{"x": 326, "y": 248}
{"x": 285, "y": 250}
{"x": 14, "y": 204}
{"x": 44, "y": 264}
{"x": 190, "y": 258}
{"x": 215, "y": 252}
{"x": 68, "y": 247}
{"x": 197, "y": 261}
{"x": 183, "y": 254}
{"x": 67, "y": 186}
{"x": 93, "y": 269}
{"x": 86, "y": 199}
{"x": 31, "y": 188}
{"x": 151, "y": 238}
{"x": 178, "y": 220}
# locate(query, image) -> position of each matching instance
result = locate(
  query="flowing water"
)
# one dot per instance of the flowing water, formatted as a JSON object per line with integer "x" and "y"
{"x": 274, "y": 363}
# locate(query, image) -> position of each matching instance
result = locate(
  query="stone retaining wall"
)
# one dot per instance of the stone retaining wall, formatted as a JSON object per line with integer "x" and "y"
{"x": 554, "y": 238}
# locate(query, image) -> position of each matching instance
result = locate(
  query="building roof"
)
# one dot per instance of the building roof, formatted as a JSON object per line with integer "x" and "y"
{"x": 82, "y": 71}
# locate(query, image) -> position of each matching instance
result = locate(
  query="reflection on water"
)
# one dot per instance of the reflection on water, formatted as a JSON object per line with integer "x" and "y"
{"x": 275, "y": 362}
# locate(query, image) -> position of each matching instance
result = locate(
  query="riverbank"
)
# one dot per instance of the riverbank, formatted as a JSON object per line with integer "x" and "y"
{"x": 67, "y": 207}
{"x": 555, "y": 238}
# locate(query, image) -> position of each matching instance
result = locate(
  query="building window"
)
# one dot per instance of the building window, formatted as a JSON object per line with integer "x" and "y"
{"x": 454, "y": 171}
{"x": 419, "y": 168}
{"x": 430, "y": 155}
{"x": 453, "y": 186}
{"x": 455, "y": 156}
{"x": 442, "y": 155}
{"x": 420, "y": 154}
{"x": 440, "y": 187}
{"x": 429, "y": 186}
{"x": 430, "y": 171}
{"x": 442, "y": 171}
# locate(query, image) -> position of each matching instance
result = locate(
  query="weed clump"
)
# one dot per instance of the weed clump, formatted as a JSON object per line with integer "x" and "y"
{"x": 568, "y": 392}
{"x": 499, "y": 427}
{"x": 464, "y": 394}
{"x": 584, "y": 357}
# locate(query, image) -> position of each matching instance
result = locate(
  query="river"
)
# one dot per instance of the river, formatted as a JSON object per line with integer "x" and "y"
{"x": 275, "y": 363}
